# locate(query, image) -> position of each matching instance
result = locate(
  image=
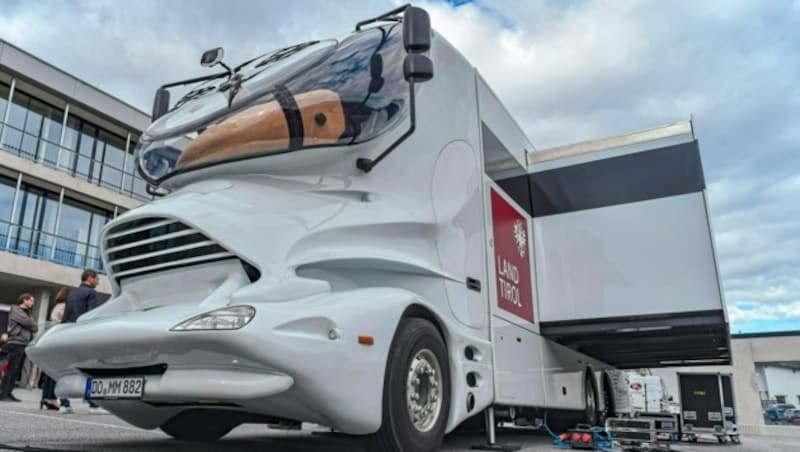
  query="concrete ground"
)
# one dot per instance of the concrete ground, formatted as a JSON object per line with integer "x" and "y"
{"x": 23, "y": 427}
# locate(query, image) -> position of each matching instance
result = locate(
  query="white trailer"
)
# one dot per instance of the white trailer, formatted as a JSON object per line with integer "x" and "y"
{"x": 341, "y": 248}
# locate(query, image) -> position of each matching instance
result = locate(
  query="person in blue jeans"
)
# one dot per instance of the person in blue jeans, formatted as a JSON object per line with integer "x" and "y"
{"x": 81, "y": 300}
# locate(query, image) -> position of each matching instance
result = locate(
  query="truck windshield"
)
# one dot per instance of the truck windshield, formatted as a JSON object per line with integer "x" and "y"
{"x": 321, "y": 93}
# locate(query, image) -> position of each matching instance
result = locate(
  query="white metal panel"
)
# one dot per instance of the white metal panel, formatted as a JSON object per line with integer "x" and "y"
{"x": 502, "y": 124}
{"x": 460, "y": 238}
{"x": 517, "y": 365}
{"x": 563, "y": 373}
{"x": 642, "y": 258}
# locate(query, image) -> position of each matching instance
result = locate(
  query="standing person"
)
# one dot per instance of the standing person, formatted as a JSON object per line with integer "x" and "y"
{"x": 49, "y": 400}
{"x": 3, "y": 355}
{"x": 21, "y": 328}
{"x": 81, "y": 300}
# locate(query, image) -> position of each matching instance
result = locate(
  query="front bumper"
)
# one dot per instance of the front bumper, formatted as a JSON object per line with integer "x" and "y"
{"x": 192, "y": 385}
{"x": 282, "y": 364}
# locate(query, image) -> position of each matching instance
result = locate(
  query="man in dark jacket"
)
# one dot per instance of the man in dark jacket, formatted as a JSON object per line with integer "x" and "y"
{"x": 80, "y": 301}
{"x": 83, "y": 298}
{"x": 21, "y": 328}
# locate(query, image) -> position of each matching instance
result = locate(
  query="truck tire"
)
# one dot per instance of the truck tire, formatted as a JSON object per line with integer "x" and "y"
{"x": 590, "y": 398}
{"x": 199, "y": 426}
{"x": 609, "y": 405}
{"x": 416, "y": 390}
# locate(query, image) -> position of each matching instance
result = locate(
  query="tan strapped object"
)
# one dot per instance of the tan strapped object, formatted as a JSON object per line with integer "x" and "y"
{"x": 263, "y": 129}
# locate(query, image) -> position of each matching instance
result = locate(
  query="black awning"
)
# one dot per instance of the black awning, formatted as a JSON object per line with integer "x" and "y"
{"x": 677, "y": 339}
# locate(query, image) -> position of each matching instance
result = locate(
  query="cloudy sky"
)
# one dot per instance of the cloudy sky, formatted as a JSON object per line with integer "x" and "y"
{"x": 567, "y": 70}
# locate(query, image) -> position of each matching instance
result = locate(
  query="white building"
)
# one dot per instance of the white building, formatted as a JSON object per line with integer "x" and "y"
{"x": 66, "y": 168}
{"x": 766, "y": 369}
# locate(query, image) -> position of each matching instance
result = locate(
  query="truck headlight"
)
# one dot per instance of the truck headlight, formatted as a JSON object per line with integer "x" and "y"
{"x": 230, "y": 318}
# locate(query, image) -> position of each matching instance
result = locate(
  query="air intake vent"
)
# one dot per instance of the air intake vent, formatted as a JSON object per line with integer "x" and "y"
{"x": 153, "y": 244}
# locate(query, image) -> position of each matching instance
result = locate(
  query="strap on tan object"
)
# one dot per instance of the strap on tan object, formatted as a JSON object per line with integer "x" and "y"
{"x": 262, "y": 129}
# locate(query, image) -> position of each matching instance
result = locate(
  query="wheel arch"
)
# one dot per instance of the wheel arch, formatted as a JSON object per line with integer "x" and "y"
{"x": 423, "y": 312}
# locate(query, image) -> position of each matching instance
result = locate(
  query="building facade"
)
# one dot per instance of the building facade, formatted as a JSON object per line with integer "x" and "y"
{"x": 67, "y": 167}
{"x": 765, "y": 369}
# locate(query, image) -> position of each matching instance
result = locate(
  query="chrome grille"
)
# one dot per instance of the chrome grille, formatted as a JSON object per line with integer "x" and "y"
{"x": 151, "y": 244}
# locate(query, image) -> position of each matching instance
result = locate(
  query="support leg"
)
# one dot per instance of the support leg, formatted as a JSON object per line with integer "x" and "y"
{"x": 490, "y": 426}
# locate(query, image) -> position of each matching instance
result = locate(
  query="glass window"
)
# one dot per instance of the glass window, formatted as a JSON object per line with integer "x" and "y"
{"x": 140, "y": 187}
{"x": 7, "y": 189}
{"x": 94, "y": 259}
{"x": 355, "y": 91}
{"x": 4, "y": 91}
{"x": 88, "y": 133}
{"x": 130, "y": 164}
{"x": 37, "y": 110}
{"x": 18, "y": 111}
{"x": 78, "y": 236}
{"x": 71, "y": 135}
{"x": 115, "y": 149}
{"x": 113, "y": 158}
{"x": 36, "y": 219}
{"x": 34, "y": 127}
{"x": 52, "y": 124}
{"x": 73, "y": 234}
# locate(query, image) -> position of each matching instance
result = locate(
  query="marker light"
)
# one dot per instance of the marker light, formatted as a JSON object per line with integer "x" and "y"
{"x": 229, "y": 318}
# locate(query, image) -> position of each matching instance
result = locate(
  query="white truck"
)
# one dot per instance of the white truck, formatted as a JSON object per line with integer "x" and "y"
{"x": 345, "y": 245}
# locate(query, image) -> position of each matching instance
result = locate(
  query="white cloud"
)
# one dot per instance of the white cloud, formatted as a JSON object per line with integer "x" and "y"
{"x": 783, "y": 311}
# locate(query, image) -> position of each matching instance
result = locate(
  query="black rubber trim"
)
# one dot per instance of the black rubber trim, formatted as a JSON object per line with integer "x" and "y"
{"x": 473, "y": 284}
{"x": 293, "y": 117}
{"x": 156, "y": 369}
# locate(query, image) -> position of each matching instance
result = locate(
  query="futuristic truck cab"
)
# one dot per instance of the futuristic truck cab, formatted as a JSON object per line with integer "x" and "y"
{"x": 345, "y": 245}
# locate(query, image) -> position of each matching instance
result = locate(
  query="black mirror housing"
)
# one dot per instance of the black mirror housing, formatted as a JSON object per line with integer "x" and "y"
{"x": 416, "y": 30}
{"x": 417, "y": 68}
{"x": 212, "y": 57}
{"x": 160, "y": 103}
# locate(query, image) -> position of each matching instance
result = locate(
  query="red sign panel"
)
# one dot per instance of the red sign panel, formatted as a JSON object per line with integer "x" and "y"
{"x": 512, "y": 259}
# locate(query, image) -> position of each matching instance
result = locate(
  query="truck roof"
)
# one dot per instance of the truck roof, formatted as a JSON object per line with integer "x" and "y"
{"x": 673, "y": 130}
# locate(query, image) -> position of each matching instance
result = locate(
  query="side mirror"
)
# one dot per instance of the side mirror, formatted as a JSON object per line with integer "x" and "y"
{"x": 160, "y": 103}
{"x": 416, "y": 30}
{"x": 417, "y": 68}
{"x": 212, "y": 57}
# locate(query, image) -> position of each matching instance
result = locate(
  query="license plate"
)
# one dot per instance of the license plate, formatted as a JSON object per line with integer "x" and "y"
{"x": 115, "y": 388}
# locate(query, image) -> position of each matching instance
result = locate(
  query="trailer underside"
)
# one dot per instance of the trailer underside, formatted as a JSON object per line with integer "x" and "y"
{"x": 674, "y": 339}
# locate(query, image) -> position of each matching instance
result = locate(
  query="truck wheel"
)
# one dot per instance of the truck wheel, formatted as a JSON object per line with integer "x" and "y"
{"x": 416, "y": 390}
{"x": 609, "y": 410}
{"x": 198, "y": 426}
{"x": 590, "y": 399}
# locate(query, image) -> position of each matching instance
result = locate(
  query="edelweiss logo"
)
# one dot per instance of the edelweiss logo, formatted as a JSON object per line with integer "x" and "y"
{"x": 521, "y": 237}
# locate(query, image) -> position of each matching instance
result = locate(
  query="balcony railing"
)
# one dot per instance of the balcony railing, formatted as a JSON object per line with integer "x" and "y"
{"x": 36, "y": 148}
{"x": 37, "y": 244}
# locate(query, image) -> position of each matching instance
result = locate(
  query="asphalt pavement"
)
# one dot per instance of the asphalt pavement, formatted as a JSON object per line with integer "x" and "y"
{"x": 23, "y": 427}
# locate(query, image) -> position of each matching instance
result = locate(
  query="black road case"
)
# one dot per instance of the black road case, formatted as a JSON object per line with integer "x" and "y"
{"x": 707, "y": 406}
